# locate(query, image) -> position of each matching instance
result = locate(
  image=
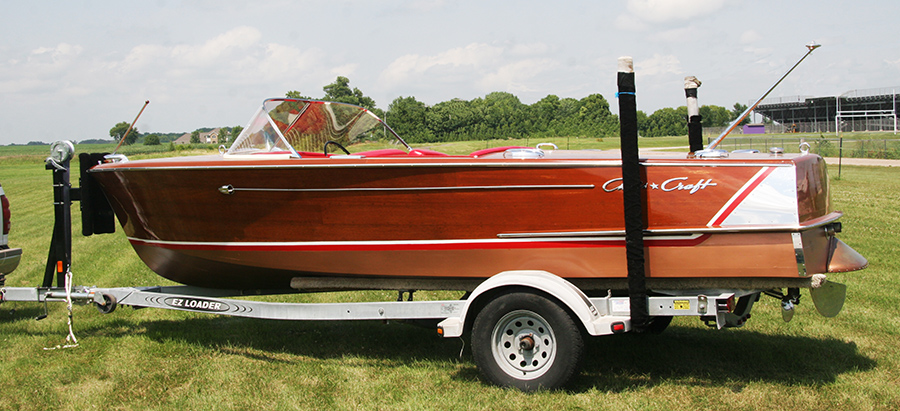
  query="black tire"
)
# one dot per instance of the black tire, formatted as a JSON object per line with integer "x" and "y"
{"x": 110, "y": 304}
{"x": 526, "y": 341}
{"x": 659, "y": 324}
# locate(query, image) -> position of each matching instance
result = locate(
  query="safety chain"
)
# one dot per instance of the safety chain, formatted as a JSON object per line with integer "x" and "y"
{"x": 71, "y": 341}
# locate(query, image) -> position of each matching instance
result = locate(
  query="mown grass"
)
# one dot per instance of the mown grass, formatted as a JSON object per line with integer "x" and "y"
{"x": 159, "y": 359}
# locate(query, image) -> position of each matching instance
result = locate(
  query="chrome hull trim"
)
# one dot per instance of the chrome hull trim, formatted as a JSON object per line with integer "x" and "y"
{"x": 458, "y": 188}
{"x": 684, "y": 231}
{"x": 405, "y": 163}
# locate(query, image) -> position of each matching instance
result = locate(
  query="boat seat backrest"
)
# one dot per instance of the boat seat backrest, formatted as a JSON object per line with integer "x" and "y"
{"x": 493, "y": 150}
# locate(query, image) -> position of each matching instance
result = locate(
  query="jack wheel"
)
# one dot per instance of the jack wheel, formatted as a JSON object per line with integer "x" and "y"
{"x": 109, "y": 304}
{"x": 526, "y": 341}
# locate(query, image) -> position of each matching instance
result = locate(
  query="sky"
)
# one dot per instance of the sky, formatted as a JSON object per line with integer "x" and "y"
{"x": 73, "y": 69}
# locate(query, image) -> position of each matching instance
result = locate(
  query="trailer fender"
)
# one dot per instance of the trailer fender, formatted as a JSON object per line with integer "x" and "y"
{"x": 560, "y": 289}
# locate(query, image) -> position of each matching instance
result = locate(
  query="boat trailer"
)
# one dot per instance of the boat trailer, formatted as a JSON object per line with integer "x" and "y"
{"x": 521, "y": 348}
{"x": 526, "y": 326}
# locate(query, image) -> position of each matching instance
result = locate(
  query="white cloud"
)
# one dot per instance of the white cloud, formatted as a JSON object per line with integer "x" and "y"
{"x": 750, "y": 36}
{"x": 141, "y": 56}
{"x": 280, "y": 61}
{"x": 629, "y": 22}
{"x": 679, "y": 35}
{"x": 531, "y": 49}
{"x": 474, "y": 55}
{"x": 44, "y": 70}
{"x": 425, "y": 5}
{"x": 217, "y": 49}
{"x": 658, "y": 64}
{"x": 659, "y": 11}
{"x": 514, "y": 77}
{"x": 345, "y": 70}
{"x": 893, "y": 63}
{"x": 474, "y": 69}
{"x": 62, "y": 51}
{"x": 46, "y": 60}
{"x": 758, "y": 51}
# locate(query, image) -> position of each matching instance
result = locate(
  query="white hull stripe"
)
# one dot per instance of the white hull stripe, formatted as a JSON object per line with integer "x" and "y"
{"x": 403, "y": 245}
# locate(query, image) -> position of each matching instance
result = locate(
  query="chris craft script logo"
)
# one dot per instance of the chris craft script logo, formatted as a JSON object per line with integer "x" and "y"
{"x": 672, "y": 184}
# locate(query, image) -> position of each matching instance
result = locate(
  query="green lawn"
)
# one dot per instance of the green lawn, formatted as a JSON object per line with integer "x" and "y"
{"x": 159, "y": 359}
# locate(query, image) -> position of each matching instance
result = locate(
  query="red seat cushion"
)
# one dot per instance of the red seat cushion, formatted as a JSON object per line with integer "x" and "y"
{"x": 493, "y": 150}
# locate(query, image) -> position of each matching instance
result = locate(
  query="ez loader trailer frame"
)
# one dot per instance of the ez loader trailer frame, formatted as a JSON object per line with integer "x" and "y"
{"x": 526, "y": 325}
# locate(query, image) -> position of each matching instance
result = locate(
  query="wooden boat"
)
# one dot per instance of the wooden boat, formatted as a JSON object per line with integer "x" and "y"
{"x": 275, "y": 207}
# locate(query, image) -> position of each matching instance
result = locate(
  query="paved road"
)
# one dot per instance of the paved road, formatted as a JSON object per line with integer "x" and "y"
{"x": 875, "y": 162}
{"x": 862, "y": 162}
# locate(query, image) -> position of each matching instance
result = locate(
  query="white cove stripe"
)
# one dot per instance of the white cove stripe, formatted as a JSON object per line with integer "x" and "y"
{"x": 738, "y": 195}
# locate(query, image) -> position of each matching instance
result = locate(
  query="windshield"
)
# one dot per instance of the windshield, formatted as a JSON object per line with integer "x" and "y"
{"x": 294, "y": 126}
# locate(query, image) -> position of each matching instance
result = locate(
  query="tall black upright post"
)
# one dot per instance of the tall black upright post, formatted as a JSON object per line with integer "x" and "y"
{"x": 695, "y": 128}
{"x": 632, "y": 194}
{"x": 60, "y": 256}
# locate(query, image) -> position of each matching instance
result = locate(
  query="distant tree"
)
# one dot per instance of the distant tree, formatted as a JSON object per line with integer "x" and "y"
{"x": 195, "y": 137}
{"x": 642, "y": 123}
{"x": 715, "y": 116}
{"x": 454, "y": 119}
{"x": 406, "y": 116}
{"x": 545, "y": 113}
{"x": 151, "y": 140}
{"x": 223, "y": 136}
{"x": 667, "y": 122}
{"x": 340, "y": 91}
{"x": 118, "y": 131}
{"x": 504, "y": 114}
{"x": 36, "y": 143}
{"x": 737, "y": 111}
{"x": 235, "y": 132}
{"x": 595, "y": 117}
{"x": 296, "y": 94}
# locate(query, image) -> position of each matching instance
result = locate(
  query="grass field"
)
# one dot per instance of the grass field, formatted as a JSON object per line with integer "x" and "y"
{"x": 158, "y": 359}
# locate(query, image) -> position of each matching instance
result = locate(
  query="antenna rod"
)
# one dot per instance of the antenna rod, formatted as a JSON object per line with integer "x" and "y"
{"x": 122, "y": 140}
{"x": 811, "y": 46}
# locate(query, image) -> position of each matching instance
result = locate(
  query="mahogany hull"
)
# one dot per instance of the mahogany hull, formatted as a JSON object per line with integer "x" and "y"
{"x": 257, "y": 223}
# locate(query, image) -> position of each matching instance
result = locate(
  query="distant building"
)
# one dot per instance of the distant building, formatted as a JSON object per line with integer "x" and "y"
{"x": 209, "y": 137}
{"x": 754, "y": 129}
{"x": 855, "y": 110}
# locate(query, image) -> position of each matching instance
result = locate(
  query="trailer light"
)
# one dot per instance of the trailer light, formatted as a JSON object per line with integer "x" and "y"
{"x": 6, "y": 212}
{"x": 725, "y": 305}
{"x": 618, "y": 327}
{"x": 440, "y": 331}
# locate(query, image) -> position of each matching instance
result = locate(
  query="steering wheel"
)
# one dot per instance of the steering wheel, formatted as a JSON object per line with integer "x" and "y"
{"x": 329, "y": 142}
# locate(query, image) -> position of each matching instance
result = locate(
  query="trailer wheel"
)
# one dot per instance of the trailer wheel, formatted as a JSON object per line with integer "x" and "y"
{"x": 659, "y": 324}
{"x": 527, "y": 341}
{"x": 109, "y": 304}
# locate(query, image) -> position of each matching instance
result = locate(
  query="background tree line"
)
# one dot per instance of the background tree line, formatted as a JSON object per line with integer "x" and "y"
{"x": 502, "y": 115}
{"x": 497, "y": 115}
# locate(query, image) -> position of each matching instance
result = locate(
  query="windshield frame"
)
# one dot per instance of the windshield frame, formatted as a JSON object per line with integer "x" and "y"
{"x": 272, "y": 130}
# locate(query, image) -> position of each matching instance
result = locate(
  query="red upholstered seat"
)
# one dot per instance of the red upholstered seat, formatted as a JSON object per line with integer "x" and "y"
{"x": 384, "y": 152}
{"x": 493, "y": 150}
{"x": 428, "y": 153}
